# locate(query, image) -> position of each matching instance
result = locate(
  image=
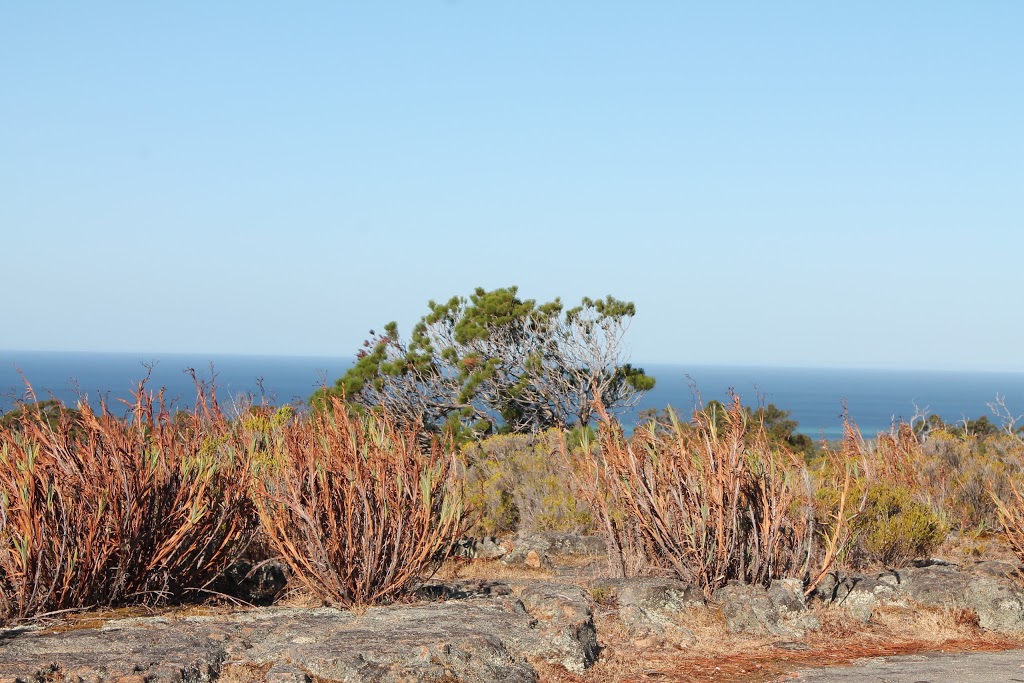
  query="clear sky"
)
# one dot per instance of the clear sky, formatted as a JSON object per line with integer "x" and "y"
{"x": 786, "y": 183}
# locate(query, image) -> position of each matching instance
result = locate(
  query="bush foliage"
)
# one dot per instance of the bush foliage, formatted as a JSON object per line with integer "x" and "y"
{"x": 517, "y": 482}
{"x": 716, "y": 501}
{"x": 103, "y": 511}
{"x": 496, "y": 362}
{"x": 150, "y": 507}
{"x": 354, "y": 506}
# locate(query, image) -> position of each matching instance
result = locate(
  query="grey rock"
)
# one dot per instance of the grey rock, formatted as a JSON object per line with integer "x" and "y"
{"x": 787, "y": 595}
{"x": 650, "y": 606}
{"x": 565, "y": 622}
{"x": 861, "y": 594}
{"x": 998, "y": 601}
{"x": 159, "y": 654}
{"x": 286, "y": 673}
{"x": 473, "y": 640}
{"x": 933, "y": 586}
{"x": 749, "y": 609}
{"x": 995, "y": 569}
{"x": 549, "y": 543}
{"x": 999, "y": 604}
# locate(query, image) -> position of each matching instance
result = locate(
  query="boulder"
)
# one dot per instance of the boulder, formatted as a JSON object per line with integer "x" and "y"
{"x": 651, "y": 607}
{"x": 999, "y": 604}
{"x": 754, "y": 610}
{"x": 787, "y": 595}
{"x": 934, "y": 585}
{"x": 565, "y": 622}
{"x": 860, "y": 594}
{"x": 987, "y": 589}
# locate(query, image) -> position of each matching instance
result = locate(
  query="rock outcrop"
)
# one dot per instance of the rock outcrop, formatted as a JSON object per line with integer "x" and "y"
{"x": 987, "y": 589}
{"x": 474, "y": 639}
{"x": 476, "y": 630}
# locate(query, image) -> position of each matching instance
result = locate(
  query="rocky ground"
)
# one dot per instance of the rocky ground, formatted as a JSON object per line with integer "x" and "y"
{"x": 539, "y": 609}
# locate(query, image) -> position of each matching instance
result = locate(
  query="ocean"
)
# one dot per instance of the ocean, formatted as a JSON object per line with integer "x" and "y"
{"x": 874, "y": 398}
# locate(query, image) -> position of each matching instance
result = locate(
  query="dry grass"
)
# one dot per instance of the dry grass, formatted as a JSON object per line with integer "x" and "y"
{"x": 103, "y": 511}
{"x": 354, "y": 506}
{"x": 459, "y": 568}
{"x": 1011, "y": 516}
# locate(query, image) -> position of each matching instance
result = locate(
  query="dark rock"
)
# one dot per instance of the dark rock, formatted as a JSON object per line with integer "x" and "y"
{"x": 486, "y": 548}
{"x": 257, "y": 582}
{"x": 460, "y": 590}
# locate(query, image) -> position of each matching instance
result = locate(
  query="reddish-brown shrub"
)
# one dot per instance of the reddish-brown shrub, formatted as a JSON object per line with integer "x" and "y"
{"x": 358, "y": 510}
{"x": 100, "y": 510}
{"x": 713, "y": 501}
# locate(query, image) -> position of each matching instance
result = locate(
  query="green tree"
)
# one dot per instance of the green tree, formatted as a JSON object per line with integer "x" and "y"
{"x": 497, "y": 362}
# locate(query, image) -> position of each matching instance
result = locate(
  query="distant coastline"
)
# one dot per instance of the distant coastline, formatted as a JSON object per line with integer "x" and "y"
{"x": 815, "y": 396}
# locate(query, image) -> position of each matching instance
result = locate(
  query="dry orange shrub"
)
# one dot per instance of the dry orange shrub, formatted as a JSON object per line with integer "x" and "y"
{"x": 96, "y": 510}
{"x": 355, "y": 506}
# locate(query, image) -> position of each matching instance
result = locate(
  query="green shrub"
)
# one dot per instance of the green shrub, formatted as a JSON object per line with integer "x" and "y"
{"x": 895, "y": 528}
{"x": 518, "y": 482}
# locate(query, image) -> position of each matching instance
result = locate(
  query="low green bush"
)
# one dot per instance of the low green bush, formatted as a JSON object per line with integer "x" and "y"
{"x": 518, "y": 482}
{"x": 895, "y": 528}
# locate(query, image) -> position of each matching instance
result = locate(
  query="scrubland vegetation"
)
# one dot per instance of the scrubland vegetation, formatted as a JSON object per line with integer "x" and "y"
{"x": 150, "y": 506}
{"x": 482, "y": 423}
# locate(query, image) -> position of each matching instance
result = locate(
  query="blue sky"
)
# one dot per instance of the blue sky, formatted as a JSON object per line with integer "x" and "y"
{"x": 812, "y": 184}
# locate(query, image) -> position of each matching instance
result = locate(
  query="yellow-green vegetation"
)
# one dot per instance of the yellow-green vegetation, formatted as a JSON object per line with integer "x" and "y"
{"x": 895, "y": 528}
{"x": 518, "y": 482}
{"x": 892, "y": 526}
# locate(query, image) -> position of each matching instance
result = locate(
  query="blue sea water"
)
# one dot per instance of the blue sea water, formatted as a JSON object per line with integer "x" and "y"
{"x": 114, "y": 376}
{"x": 815, "y": 396}
{"x": 874, "y": 398}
